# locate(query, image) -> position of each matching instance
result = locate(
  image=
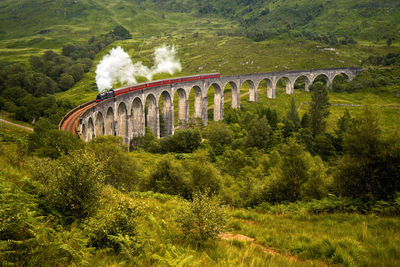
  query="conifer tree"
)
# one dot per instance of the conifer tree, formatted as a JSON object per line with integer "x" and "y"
{"x": 319, "y": 108}
{"x": 292, "y": 114}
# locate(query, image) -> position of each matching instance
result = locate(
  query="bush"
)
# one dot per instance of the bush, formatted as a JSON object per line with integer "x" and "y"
{"x": 168, "y": 177}
{"x": 73, "y": 184}
{"x": 202, "y": 219}
{"x": 183, "y": 141}
{"x": 114, "y": 225}
{"x": 111, "y": 151}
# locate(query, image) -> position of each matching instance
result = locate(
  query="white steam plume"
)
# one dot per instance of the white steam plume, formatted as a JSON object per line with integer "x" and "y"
{"x": 118, "y": 67}
{"x": 115, "y": 67}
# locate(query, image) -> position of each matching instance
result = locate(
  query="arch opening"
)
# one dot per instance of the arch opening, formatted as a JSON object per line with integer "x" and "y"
{"x": 109, "y": 124}
{"x": 247, "y": 87}
{"x": 284, "y": 85}
{"x": 138, "y": 124}
{"x": 84, "y": 132}
{"x": 122, "y": 123}
{"x": 152, "y": 114}
{"x": 266, "y": 87}
{"x": 195, "y": 99}
{"x": 183, "y": 108}
{"x": 166, "y": 114}
{"x": 99, "y": 125}
{"x": 231, "y": 91}
{"x": 215, "y": 102}
{"x": 323, "y": 78}
{"x": 90, "y": 132}
{"x": 340, "y": 82}
{"x": 302, "y": 83}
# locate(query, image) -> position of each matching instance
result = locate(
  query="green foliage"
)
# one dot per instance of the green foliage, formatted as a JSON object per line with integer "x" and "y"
{"x": 49, "y": 142}
{"x": 319, "y": 108}
{"x": 385, "y": 60}
{"x": 293, "y": 115}
{"x": 218, "y": 135}
{"x": 183, "y": 141}
{"x": 110, "y": 151}
{"x": 114, "y": 226}
{"x": 72, "y": 183}
{"x": 202, "y": 219}
{"x": 298, "y": 175}
{"x": 258, "y": 133}
{"x": 148, "y": 142}
{"x": 370, "y": 164}
{"x": 168, "y": 177}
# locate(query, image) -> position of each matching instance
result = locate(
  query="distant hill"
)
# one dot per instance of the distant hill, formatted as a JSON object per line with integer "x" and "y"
{"x": 319, "y": 20}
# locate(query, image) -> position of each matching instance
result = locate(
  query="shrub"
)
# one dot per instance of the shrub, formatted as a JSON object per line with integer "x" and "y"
{"x": 183, "y": 141}
{"x": 168, "y": 177}
{"x": 114, "y": 225}
{"x": 73, "y": 184}
{"x": 202, "y": 219}
{"x": 111, "y": 151}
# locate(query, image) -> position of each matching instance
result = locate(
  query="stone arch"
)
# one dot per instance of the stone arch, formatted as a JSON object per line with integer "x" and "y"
{"x": 346, "y": 76}
{"x": 270, "y": 87}
{"x": 288, "y": 84}
{"x": 110, "y": 124}
{"x": 323, "y": 76}
{"x": 90, "y": 132}
{"x": 167, "y": 114}
{"x": 152, "y": 114}
{"x": 252, "y": 90}
{"x": 235, "y": 94}
{"x": 197, "y": 107}
{"x": 218, "y": 104}
{"x": 138, "y": 123}
{"x": 122, "y": 122}
{"x": 99, "y": 125}
{"x": 183, "y": 106}
{"x": 83, "y": 133}
{"x": 306, "y": 80}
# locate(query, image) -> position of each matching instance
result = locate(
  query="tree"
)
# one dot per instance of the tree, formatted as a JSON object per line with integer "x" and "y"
{"x": 219, "y": 135}
{"x": 291, "y": 174}
{"x": 202, "y": 219}
{"x": 183, "y": 141}
{"x": 258, "y": 133}
{"x": 73, "y": 184}
{"x": 66, "y": 81}
{"x": 293, "y": 115}
{"x": 305, "y": 121}
{"x": 370, "y": 165}
{"x": 111, "y": 151}
{"x": 319, "y": 108}
{"x": 76, "y": 71}
{"x": 121, "y": 33}
{"x": 168, "y": 177}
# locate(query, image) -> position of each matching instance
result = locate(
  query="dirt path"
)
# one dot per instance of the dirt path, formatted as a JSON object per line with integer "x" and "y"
{"x": 231, "y": 236}
{"x": 16, "y": 125}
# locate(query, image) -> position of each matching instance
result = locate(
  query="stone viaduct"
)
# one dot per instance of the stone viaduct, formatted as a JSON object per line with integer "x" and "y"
{"x": 125, "y": 114}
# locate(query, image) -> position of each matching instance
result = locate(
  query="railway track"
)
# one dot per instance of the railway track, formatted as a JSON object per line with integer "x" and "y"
{"x": 70, "y": 121}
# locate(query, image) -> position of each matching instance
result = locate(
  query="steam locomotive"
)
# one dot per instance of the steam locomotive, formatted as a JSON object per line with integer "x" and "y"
{"x": 111, "y": 93}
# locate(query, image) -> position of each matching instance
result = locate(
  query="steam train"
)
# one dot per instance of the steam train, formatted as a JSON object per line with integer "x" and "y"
{"x": 111, "y": 93}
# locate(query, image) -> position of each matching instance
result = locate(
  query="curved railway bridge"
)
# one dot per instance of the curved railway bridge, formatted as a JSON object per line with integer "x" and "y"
{"x": 124, "y": 115}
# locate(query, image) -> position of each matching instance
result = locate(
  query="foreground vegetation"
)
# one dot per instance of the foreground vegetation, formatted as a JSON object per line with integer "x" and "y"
{"x": 265, "y": 187}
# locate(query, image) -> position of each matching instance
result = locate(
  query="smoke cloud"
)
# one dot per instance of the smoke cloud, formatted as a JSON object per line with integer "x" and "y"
{"x": 117, "y": 66}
